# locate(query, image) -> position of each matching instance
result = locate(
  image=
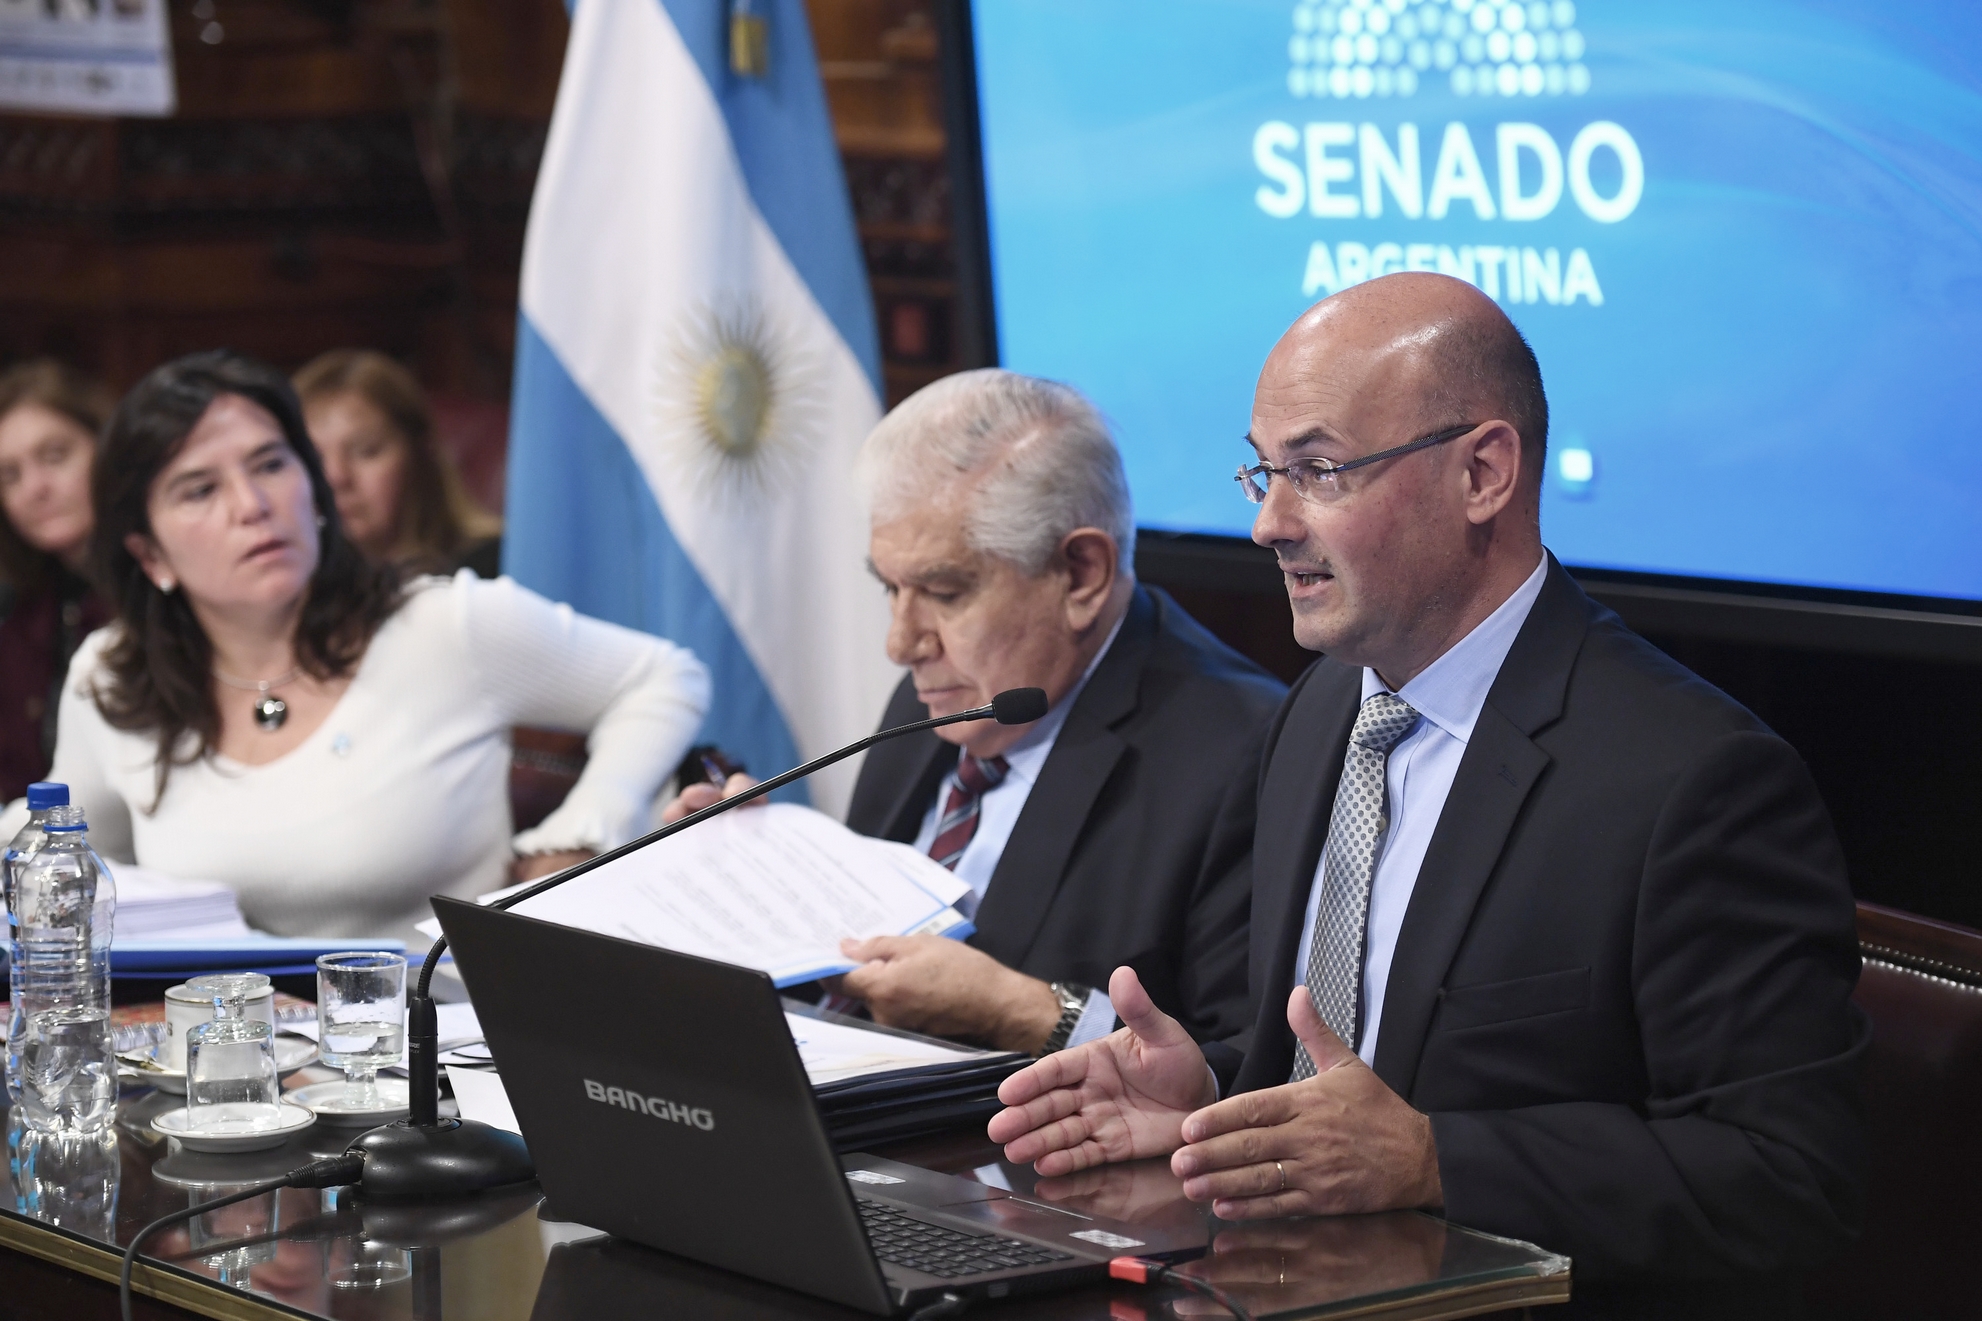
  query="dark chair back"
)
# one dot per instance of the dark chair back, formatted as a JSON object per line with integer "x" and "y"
{"x": 543, "y": 766}
{"x": 1922, "y": 986}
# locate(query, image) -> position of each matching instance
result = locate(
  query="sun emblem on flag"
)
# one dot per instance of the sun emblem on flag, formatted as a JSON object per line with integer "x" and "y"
{"x": 737, "y": 402}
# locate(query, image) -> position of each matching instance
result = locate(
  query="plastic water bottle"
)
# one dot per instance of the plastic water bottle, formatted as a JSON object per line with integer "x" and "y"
{"x": 43, "y": 795}
{"x": 64, "y": 906}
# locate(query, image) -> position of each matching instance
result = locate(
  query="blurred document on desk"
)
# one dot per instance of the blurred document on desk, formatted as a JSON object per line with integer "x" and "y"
{"x": 774, "y": 888}
{"x": 482, "y": 1097}
{"x": 154, "y": 906}
{"x": 835, "y": 1052}
{"x": 873, "y": 1084}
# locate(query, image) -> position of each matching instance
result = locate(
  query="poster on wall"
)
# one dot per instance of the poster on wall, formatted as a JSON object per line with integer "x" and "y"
{"x": 90, "y": 57}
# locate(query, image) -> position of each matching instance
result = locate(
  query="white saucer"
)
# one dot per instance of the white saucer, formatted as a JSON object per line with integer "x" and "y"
{"x": 291, "y": 1054}
{"x": 293, "y": 1120}
{"x": 327, "y": 1099}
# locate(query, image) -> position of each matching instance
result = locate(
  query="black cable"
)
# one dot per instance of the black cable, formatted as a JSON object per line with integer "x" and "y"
{"x": 329, "y": 1172}
{"x": 948, "y": 1305}
{"x": 1146, "y": 1270}
{"x": 313, "y": 1230}
{"x": 1179, "y": 1280}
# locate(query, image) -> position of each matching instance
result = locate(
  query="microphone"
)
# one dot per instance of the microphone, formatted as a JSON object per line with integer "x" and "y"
{"x": 1015, "y": 706}
{"x": 426, "y": 1157}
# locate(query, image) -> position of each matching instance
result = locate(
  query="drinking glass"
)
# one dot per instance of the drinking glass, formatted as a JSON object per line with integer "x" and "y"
{"x": 231, "y": 1083}
{"x": 361, "y": 1020}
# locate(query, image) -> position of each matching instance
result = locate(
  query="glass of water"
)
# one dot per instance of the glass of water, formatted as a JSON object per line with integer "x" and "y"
{"x": 361, "y": 1020}
{"x": 231, "y": 1082}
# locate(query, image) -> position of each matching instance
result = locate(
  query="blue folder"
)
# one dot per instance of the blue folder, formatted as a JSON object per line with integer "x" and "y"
{"x": 277, "y": 956}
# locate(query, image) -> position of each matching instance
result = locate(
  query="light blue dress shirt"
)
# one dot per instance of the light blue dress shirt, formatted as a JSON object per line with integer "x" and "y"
{"x": 1448, "y": 698}
{"x": 998, "y": 812}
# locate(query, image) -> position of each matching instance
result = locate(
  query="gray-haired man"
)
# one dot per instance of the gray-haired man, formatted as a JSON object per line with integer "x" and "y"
{"x": 1117, "y": 830}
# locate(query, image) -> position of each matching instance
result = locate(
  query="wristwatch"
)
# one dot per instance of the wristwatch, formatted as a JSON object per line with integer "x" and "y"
{"x": 1073, "y": 1003}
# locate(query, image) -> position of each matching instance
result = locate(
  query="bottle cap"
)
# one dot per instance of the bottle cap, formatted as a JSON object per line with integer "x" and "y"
{"x": 44, "y": 794}
{"x": 65, "y": 818}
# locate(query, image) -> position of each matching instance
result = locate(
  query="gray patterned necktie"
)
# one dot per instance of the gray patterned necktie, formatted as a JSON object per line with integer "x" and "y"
{"x": 1362, "y": 811}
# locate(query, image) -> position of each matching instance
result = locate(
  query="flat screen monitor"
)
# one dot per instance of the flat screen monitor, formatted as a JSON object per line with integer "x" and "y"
{"x": 1743, "y": 236}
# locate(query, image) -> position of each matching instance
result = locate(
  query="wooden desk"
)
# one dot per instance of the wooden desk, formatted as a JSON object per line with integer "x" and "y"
{"x": 326, "y": 1254}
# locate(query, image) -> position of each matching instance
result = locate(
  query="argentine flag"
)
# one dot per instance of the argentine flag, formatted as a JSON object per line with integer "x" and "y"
{"x": 696, "y": 367}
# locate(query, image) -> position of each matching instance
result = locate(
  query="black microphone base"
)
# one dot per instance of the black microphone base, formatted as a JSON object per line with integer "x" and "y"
{"x": 454, "y": 1158}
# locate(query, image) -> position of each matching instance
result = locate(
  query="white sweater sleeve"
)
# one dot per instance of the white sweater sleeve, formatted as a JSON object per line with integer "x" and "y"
{"x": 640, "y": 699}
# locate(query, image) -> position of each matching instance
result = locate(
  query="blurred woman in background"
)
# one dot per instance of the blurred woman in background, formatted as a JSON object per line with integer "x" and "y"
{"x": 274, "y": 711}
{"x": 49, "y": 419}
{"x": 398, "y": 493}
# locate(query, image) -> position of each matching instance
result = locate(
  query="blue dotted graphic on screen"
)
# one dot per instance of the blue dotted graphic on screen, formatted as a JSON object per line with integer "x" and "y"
{"x": 1361, "y": 48}
{"x": 1745, "y": 241}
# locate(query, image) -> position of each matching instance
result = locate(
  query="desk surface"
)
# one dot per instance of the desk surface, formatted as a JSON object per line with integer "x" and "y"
{"x": 326, "y": 1254}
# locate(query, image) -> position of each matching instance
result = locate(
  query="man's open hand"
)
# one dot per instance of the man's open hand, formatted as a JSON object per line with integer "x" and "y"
{"x": 1338, "y": 1142}
{"x": 1119, "y": 1098}
{"x": 944, "y": 987}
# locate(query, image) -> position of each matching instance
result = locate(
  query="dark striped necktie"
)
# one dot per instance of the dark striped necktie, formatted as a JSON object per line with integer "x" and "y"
{"x": 975, "y": 777}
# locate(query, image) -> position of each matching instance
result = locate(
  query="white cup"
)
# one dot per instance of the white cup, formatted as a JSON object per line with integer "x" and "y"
{"x": 186, "y": 1009}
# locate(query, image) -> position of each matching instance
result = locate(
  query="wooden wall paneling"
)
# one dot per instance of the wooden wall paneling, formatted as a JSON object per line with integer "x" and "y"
{"x": 877, "y": 59}
{"x": 340, "y": 172}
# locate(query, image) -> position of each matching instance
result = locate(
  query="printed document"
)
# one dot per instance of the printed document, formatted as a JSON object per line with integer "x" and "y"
{"x": 833, "y": 1052}
{"x": 774, "y": 888}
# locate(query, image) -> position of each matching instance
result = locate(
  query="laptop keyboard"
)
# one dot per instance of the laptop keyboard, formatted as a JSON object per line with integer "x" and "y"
{"x": 946, "y": 1253}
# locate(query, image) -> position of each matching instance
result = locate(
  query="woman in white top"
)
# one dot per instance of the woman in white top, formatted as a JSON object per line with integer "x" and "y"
{"x": 273, "y": 712}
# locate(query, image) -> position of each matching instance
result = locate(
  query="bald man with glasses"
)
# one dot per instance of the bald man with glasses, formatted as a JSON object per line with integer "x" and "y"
{"x": 1546, "y": 932}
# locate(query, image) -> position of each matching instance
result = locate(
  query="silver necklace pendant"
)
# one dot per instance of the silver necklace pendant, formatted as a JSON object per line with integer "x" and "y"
{"x": 270, "y": 712}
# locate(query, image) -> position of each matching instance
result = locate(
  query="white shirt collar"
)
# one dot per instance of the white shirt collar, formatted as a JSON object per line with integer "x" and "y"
{"x": 1453, "y": 689}
{"x": 1026, "y": 756}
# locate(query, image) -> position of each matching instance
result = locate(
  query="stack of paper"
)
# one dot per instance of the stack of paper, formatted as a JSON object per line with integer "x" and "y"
{"x": 170, "y": 927}
{"x": 152, "y": 905}
{"x": 876, "y": 1084}
{"x": 773, "y": 888}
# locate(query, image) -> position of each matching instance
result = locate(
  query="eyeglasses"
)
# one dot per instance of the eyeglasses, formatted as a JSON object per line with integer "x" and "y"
{"x": 1319, "y": 481}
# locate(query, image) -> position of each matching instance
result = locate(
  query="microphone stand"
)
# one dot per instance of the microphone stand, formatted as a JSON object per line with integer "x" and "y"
{"x": 424, "y": 1156}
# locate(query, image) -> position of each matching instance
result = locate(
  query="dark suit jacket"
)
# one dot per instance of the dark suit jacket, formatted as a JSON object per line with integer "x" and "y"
{"x": 1135, "y": 843}
{"x": 1622, "y": 986}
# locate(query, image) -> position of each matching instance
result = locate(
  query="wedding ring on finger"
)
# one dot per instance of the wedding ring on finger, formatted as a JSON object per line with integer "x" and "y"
{"x": 1283, "y": 1177}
